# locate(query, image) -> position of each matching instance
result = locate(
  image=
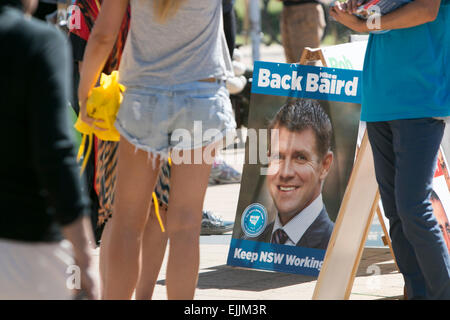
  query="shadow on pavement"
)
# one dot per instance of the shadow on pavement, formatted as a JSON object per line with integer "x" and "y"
{"x": 234, "y": 278}
{"x": 393, "y": 298}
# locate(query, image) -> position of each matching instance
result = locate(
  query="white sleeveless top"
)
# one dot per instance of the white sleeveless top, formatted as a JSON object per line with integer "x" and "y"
{"x": 189, "y": 46}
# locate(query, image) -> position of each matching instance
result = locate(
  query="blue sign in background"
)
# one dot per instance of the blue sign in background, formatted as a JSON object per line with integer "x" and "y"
{"x": 275, "y": 257}
{"x": 288, "y": 86}
{"x": 297, "y": 81}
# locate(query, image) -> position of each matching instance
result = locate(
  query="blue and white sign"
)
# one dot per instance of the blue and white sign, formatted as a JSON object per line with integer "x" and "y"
{"x": 254, "y": 220}
{"x": 275, "y": 257}
{"x": 299, "y": 81}
{"x": 276, "y": 228}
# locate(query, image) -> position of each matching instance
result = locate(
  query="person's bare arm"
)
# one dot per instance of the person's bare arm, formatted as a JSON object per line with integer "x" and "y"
{"x": 410, "y": 15}
{"x": 99, "y": 46}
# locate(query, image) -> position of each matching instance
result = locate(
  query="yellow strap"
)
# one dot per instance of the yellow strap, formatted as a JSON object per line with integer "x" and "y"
{"x": 98, "y": 5}
{"x": 81, "y": 148}
{"x": 155, "y": 203}
{"x": 88, "y": 153}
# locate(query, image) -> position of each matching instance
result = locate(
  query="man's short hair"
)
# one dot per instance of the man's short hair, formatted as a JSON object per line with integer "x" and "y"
{"x": 303, "y": 114}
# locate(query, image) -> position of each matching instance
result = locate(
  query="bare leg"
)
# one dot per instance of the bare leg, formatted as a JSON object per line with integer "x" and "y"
{"x": 135, "y": 182}
{"x": 152, "y": 254}
{"x": 188, "y": 185}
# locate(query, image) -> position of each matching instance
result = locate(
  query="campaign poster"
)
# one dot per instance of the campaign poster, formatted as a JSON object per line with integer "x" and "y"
{"x": 300, "y": 150}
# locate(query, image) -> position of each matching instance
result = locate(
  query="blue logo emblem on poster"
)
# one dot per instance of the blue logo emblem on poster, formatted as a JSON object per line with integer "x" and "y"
{"x": 254, "y": 220}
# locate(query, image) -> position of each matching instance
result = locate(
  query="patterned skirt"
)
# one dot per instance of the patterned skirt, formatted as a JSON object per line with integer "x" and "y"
{"x": 105, "y": 180}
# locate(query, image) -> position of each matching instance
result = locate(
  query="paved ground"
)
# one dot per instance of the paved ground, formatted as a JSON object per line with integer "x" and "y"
{"x": 377, "y": 276}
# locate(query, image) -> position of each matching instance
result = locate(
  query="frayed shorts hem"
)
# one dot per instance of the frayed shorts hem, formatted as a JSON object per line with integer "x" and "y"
{"x": 164, "y": 153}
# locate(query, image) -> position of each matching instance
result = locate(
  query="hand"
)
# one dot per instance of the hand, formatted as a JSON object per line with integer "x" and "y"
{"x": 351, "y": 5}
{"x": 341, "y": 15}
{"x": 88, "y": 119}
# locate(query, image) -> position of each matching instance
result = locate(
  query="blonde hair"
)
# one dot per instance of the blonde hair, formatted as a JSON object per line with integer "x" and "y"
{"x": 164, "y": 9}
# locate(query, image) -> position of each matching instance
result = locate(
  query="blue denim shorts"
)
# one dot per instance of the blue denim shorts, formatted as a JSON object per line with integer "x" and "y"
{"x": 184, "y": 116}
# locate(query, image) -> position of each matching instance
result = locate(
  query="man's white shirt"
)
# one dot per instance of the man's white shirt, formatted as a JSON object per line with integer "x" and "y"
{"x": 297, "y": 226}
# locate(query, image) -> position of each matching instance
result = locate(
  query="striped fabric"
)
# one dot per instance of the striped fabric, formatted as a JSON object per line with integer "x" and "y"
{"x": 162, "y": 187}
{"x": 105, "y": 178}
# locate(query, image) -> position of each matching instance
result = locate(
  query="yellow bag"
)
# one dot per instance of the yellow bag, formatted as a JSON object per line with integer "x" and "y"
{"x": 102, "y": 104}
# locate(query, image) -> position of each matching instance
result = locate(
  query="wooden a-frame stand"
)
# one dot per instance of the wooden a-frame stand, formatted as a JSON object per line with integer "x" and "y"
{"x": 353, "y": 222}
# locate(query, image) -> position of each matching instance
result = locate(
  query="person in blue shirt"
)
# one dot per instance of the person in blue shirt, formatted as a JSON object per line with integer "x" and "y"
{"x": 405, "y": 97}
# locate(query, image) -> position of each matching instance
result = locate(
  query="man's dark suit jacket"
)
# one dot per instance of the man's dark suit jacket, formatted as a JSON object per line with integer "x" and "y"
{"x": 316, "y": 236}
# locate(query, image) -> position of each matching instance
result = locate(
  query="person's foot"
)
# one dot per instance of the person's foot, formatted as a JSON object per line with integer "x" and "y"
{"x": 221, "y": 173}
{"x": 214, "y": 225}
